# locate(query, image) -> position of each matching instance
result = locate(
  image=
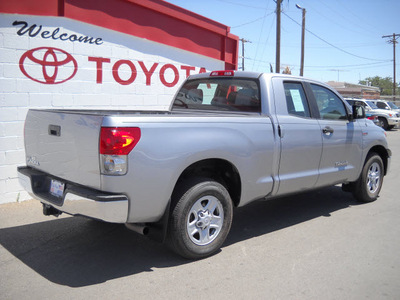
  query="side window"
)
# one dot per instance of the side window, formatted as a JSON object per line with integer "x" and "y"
{"x": 330, "y": 106}
{"x": 381, "y": 105}
{"x": 296, "y": 100}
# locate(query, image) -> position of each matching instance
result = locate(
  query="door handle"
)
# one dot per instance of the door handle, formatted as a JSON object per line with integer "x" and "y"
{"x": 328, "y": 130}
{"x": 54, "y": 130}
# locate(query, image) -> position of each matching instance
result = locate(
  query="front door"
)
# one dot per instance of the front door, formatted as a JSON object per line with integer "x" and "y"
{"x": 342, "y": 139}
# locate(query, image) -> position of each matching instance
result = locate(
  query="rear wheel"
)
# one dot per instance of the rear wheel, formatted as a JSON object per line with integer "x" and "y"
{"x": 201, "y": 218}
{"x": 368, "y": 186}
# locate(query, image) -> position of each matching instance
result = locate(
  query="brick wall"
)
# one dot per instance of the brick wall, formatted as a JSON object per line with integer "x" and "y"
{"x": 115, "y": 71}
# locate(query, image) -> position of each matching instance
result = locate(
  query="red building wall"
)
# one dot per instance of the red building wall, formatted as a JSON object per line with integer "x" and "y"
{"x": 155, "y": 20}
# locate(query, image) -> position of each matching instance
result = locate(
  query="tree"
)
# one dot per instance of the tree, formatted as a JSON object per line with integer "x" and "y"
{"x": 385, "y": 84}
{"x": 287, "y": 71}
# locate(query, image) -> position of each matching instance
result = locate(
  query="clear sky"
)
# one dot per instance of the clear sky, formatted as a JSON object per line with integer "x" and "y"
{"x": 343, "y": 41}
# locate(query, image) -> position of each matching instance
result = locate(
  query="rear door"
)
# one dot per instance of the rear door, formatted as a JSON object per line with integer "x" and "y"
{"x": 300, "y": 137}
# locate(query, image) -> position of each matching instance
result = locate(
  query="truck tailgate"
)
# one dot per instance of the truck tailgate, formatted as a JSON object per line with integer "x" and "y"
{"x": 64, "y": 144}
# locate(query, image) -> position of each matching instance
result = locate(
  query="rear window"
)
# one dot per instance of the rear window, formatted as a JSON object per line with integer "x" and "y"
{"x": 226, "y": 94}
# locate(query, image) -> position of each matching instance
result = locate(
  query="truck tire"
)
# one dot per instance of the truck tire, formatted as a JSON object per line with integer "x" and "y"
{"x": 383, "y": 123}
{"x": 201, "y": 218}
{"x": 369, "y": 184}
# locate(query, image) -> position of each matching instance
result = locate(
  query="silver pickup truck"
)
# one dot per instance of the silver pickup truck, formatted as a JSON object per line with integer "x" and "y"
{"x": 228, "y": 139}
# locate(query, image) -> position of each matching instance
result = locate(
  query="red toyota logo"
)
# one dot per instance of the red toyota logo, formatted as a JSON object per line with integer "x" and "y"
{"x": 43, "y": 65}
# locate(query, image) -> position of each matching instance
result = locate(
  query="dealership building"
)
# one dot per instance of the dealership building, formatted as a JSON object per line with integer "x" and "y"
{"x": 88, "y": 54}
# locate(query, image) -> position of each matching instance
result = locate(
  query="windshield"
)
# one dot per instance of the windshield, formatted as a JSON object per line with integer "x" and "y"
{"x": 229, "y": 94}
{"x": 372, "y": 105}
{"x": 392, "y": 105}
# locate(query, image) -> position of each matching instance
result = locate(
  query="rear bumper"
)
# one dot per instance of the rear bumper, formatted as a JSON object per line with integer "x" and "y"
{"x": 76, "y": 199}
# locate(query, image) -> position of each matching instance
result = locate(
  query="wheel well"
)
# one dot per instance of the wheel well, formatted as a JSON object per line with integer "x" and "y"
{"x": 219, "y": 170}
{"x": 382, "y": 152}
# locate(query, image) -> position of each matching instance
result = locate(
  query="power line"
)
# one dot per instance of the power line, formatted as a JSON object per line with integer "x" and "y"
{"x": 335, "y": 20}
{"x": 255, "y": 20}
{"x": 259, "y": 37}
{"x": 332, "y": 45}
{"x": 374, "y": 64}
{"x": 240, "y": 4}
{"x": 266, "y": 42}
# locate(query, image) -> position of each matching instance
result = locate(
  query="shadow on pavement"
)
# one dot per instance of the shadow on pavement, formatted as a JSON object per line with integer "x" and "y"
{"x": 264, "y": 217}
{"x": 79, "y": 252}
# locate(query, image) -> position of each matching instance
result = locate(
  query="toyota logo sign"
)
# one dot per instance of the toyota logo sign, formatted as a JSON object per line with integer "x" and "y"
{"x": 43, "y": 65}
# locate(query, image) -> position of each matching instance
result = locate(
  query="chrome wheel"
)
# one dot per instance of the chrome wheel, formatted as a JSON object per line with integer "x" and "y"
{"x": 205, "y": 220}
{"x": 200, "y": 219}
{"x": 369, "y": 184}
{"x": 373, "y": 178}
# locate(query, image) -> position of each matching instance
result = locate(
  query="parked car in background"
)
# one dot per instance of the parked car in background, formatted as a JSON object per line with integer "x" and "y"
{"x": 387, "y": 119}
{"x": 388, "y": 105}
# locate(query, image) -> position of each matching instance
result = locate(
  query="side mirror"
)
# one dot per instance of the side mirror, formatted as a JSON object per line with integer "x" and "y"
{"x": 358, "y": 112}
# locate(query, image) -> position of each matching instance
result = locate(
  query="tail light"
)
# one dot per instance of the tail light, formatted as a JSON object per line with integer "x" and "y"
{"x": 223, "y": 73}
{"x": 115, "y": 145}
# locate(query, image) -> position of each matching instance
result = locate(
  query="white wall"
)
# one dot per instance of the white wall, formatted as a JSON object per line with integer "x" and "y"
{"x": 109, "y": 84}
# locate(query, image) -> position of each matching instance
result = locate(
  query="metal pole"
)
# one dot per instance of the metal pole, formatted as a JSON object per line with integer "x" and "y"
{"x": 393, "y": 41}
{"x": 278, "y": 37}
{"x": 243, "y": 41}
{"x": 303, "y": 29}
{"x": 394, "y": 67}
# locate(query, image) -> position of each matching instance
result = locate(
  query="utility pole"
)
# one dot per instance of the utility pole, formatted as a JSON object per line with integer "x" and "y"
{"x": 393, "y": 41}
{"x": 303, "y": 29}
{"x": 337, "y": 70}
{"x": 243, "y": 41}
{"x": 278, "y": 37}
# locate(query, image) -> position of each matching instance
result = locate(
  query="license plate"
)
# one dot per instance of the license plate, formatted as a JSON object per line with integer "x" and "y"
{"x": 56, "y": 188}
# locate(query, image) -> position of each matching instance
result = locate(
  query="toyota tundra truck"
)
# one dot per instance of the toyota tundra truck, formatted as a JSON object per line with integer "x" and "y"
{"x": 229, "y": 138}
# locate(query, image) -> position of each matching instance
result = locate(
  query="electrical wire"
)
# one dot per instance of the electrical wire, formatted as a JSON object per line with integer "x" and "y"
{"x": 259, "y": 37}
{"x": 250, "y": 22}
{"x": 374, "y": 64}
{"x": 332, "y": 45}
{"x": 240, "y": 4}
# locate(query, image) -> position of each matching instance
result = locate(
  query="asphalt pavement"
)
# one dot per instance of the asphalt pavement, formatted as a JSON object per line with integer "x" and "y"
{"x": 317, "y": 245}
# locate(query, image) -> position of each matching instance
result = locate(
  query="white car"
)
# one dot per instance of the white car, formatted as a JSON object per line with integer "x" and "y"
{"x": 388, "y": 105}
{"x": 388, "y": 119}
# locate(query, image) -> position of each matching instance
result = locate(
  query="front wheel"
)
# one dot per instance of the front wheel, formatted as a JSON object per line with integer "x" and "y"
{"x": 382, "y": 122}
{"x": 201, "y": 218}
{"x": 368, "y": 186}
